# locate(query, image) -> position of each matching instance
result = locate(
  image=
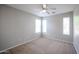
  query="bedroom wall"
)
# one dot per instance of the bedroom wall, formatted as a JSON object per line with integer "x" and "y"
{"x": 16, "y": 27}
{"x": 76, "y": 28}
{"x": 55, "y": 27}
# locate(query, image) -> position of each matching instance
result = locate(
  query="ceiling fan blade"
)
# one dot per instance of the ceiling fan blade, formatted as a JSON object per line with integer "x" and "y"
{"x": 47, "y": 12}
{"x": 53, "y": 8}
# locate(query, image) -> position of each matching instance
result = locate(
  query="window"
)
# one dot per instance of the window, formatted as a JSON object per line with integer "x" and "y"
{"x": 66, "y": 25}
{"x": 38, "y": 26}
{"x": 44, "y": 25}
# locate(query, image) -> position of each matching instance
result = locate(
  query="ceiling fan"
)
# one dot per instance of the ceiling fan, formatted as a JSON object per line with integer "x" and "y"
{"x": 46, "y": 9}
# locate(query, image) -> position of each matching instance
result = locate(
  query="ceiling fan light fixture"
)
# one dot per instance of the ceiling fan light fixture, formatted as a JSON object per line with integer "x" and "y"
{"x": 44, "y": 11}
{"x": 44, "y": 6}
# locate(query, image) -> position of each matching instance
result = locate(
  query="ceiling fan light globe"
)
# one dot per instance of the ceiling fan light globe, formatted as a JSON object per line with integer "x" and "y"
{"x": 44, "y": 11}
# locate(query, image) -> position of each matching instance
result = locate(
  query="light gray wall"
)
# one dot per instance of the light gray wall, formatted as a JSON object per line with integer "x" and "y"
{"x": 76, "y": 28}
{"x": 55, "y": 27}
{"x": 16, "y": 27}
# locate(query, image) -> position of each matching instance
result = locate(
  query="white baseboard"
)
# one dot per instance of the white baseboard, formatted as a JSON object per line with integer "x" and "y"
{"x": 32, "y": 40}
{"x": 59, "y": 40}
{"x": 18, "y": 44}
{"x": 77, "y": 50}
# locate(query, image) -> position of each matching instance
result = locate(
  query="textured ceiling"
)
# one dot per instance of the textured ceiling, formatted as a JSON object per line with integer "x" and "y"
{"x": 36, "y": 8}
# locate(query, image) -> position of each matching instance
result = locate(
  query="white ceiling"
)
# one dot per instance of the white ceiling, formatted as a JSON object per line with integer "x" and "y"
{"x": 36, "y": 8}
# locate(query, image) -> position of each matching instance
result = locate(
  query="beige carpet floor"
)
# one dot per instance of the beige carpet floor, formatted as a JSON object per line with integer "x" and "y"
{"x": 44, "y": 46}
